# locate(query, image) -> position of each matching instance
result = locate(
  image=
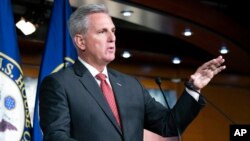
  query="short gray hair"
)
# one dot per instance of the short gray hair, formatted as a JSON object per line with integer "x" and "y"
{"x": 78, "y": 21}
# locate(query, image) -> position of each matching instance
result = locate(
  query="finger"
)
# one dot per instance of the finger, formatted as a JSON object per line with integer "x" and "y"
{"x": 213, "y": 67}
{"x": 222, "y": 68}
{"x": 217, "y": 62}
{"x": 219, "y": 69}
{"x": 206, "y": 65}
{"x": 209, "y": 66}
{"x": 212, "y": 64}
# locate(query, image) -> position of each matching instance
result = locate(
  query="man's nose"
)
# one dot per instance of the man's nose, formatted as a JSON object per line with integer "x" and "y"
{"x": 111, "y": 37}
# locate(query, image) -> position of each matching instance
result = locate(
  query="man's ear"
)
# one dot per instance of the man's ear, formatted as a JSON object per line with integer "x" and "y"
{"x": 79, "y": 41}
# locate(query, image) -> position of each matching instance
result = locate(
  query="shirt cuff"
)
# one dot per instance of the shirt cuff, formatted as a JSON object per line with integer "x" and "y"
{"x": 194, "y": 94}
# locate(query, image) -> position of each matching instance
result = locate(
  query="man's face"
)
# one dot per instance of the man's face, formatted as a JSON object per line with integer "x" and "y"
{"x": 100, "y": 39}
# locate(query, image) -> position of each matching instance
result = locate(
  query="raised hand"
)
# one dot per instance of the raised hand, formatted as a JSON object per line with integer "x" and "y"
{"x": 206, "y": 72}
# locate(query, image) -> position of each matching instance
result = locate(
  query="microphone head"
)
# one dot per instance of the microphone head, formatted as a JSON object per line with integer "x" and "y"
{"x": 158, "y": 81}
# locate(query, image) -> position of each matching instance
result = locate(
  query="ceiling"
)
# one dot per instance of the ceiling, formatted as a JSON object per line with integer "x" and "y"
{"x": 154, "y": 32}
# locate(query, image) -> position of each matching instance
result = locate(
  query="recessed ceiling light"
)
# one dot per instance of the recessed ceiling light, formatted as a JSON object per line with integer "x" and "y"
{"x": 224, "y": 50}
{"x": 126, "y": 54}
{"x": 127, "y": 13}
{"x": 187, "y": 32}
{"x": 176, "y": 80}
{"x": 176, "y": 60}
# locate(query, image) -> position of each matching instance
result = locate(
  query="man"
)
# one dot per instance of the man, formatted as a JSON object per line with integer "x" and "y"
{"x": 73, "y": 104}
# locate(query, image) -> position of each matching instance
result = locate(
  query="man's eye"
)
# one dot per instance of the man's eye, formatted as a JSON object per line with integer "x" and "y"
{"x": 102, "y": 31}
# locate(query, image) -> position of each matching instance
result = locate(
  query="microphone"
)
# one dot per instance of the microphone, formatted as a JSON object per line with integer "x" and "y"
{"x": 158, "y": 82}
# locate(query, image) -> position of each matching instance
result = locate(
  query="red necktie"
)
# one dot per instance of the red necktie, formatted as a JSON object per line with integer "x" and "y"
{"x": 109, "y": 95}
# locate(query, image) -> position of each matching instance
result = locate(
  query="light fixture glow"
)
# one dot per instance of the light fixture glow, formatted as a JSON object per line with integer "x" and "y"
{"x": 187, "y": 32}
{"x": 127, "y": 13}
{"x": 224, "y": 50}
{"x": 176, "y": 80}
{"x": 176, "y": 60}
{"x": 126, "y": 54}
{"x": 25, "y": 26}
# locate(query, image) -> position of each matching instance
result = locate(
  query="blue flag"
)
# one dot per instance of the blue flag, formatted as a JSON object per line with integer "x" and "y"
{"x": 15, "y": 123}
{"x": 59, "y": 51}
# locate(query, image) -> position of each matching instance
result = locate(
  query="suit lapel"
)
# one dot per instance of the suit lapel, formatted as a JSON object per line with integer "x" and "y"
{"x": 94, "y": 90}
{"x": 122, "y": 98}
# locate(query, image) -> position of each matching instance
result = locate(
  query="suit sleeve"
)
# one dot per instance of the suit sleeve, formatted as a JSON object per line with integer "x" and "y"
{"x": 159, "y": 120}
{"x": 54, "y": 112}
{"x": 187, "y": 109}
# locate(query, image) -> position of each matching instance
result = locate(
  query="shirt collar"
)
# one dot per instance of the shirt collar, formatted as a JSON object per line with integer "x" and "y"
{"x": 91, "y": 69}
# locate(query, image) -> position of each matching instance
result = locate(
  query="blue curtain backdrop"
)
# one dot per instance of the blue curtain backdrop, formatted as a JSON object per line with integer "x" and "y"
{"x": 15, "y": 123}
{"x": 59, "y": 51}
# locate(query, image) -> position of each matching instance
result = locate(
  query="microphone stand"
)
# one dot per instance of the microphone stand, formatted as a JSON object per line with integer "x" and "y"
{"x": 158, "y": 82}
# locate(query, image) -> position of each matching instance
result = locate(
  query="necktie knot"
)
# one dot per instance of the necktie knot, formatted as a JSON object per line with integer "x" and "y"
{"x": 101, "y": 76}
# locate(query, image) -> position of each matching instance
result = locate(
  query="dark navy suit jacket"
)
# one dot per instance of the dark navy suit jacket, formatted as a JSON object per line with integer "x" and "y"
{"x": 73, "y": 108}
